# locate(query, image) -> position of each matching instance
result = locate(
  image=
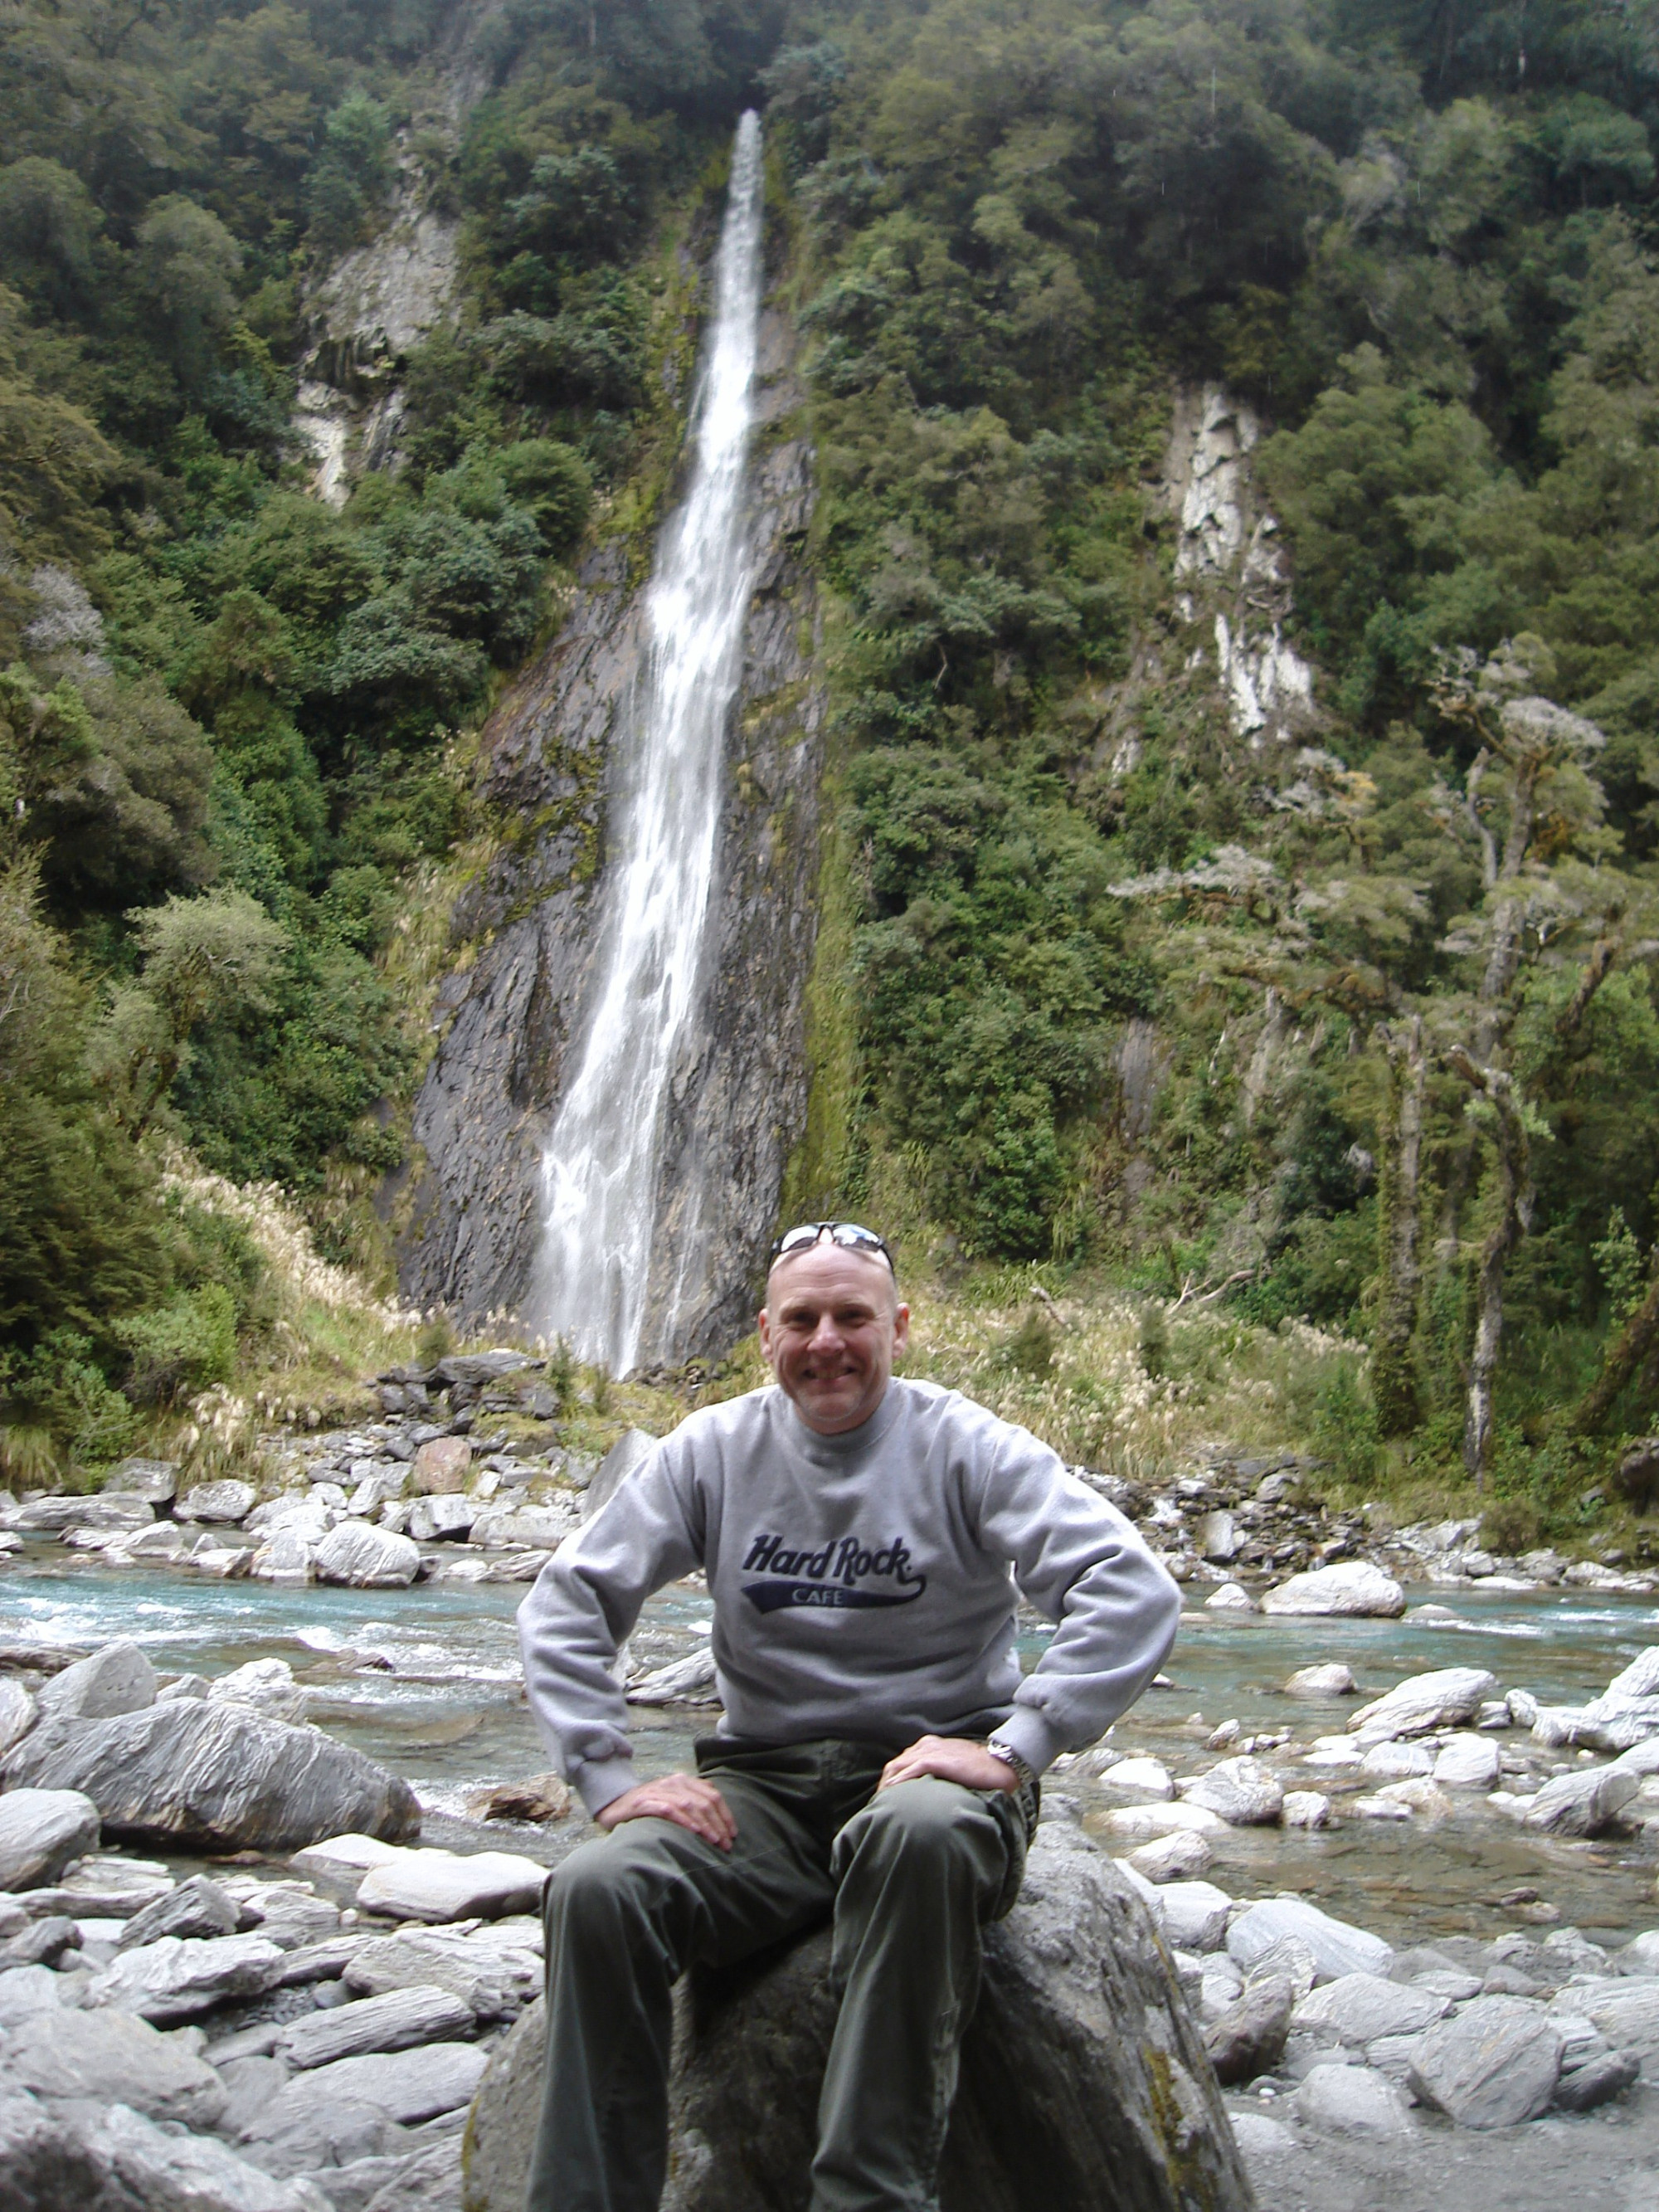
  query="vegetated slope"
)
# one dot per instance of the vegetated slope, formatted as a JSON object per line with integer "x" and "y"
{"x": 234, "y": 727}
{"x": 1360, "y": 1031}
{"x": 1404, "y": 1038}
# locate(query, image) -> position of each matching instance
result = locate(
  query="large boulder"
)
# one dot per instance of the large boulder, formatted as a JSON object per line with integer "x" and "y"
{"x": 1336, "y": 1948}
{"x": 119, "y": 1679}
{"x": 1583, "y": 1804}
{"x": 1494, "y": 2066}
{"x": 542, "y": 1527}
{"x": 41, "y": 1830}
{"x": 179, "y": 1977}
{"x": 365, "y": 1556}
{"x": 1353, "y": 1587}
{"x": 435, "y": 1885}
{"x": 111, "y": 1510}
{"x": 1085, "y": 2081}
{"x": 17, "y": 1713}
{"x": 1443, "y": 1699}
{"x": 229, "y": 1501}
{"x": 114, "y": 2059}
{"x": 214, "y": 1777}
{"x": 631, "y": 1450}
{"x": 1242, "y": 1791}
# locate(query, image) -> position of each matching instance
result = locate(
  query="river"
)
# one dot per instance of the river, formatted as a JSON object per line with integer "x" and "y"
{"x": 428, "y": 1679}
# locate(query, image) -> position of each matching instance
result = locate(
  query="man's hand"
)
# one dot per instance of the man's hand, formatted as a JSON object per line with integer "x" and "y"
{"x": 685, "y": 1799}
{"x": 952, "y": 1759}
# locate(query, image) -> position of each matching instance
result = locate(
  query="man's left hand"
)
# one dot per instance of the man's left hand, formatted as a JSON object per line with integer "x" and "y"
{"x": 951, "y": 1758}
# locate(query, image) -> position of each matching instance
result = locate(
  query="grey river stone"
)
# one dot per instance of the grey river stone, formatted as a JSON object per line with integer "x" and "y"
{"x": 493, "y": 1983}
{"x": 177, "y": 1976}
{"x": 116, "y": 2059}
{"x": 396, "y": 2020}
{"x": 119, "y": 1679}
{"x": 1082, "y": 2071}
{"x": 1337, "y": 1949}
{"x": 1495, "y": 2064}
{"x": 17, "y": 1713}
{"x": 1445, "y": 1698}
{"x": 1627, "y": 2014}
{"x": 165, "y": 2172}
{"x": 1248, "y": 2038}
{"x": 1353, "y": 2100}
{"x": 196, "y": 1907}
{"x": 408, "y": 2086}
{"x": 1360, "y": 2008}
{"x": 365, "y": 1556}
{"x": 1245, "y": 1794}
{"x": 214, "y": 1777}
{"x": 41, "y": 1831}
{"x": 1582, "y": 1804}
{"x": 228, "y": 1502}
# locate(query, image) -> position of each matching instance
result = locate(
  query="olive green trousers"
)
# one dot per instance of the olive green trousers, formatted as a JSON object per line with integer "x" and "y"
{"x": 908, "y": 1878}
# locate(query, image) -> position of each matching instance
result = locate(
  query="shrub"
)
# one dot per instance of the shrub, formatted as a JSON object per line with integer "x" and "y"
{"x": 184, "y": 1347}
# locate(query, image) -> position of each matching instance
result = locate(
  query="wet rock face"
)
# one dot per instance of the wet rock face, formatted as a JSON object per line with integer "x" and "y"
{"x": 216, "y": 1777}
{"x": 524, "y": 936}
{"x": 1084, "y": 2078}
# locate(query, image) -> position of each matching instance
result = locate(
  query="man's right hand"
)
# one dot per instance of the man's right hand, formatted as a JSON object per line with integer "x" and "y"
{"x": 685, "y": 1799}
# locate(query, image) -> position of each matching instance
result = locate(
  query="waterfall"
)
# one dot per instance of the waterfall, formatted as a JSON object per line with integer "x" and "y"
{"x": 599, "y": 1174}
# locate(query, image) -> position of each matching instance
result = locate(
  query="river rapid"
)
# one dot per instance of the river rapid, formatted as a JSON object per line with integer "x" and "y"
{"x": 428, "y": 1679}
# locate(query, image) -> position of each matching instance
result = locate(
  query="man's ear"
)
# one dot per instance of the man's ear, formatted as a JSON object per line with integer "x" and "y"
{"x": 763, "y": 1324}
{"x": 901, "y": 1326}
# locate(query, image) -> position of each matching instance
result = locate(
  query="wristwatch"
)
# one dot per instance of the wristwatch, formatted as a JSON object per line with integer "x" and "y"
{"x": 1027, "y": 1793}
{"x": 1022, "y": 1766}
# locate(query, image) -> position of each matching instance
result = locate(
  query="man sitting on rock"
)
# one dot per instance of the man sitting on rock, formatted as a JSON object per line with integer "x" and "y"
{"x": 878, "y": 1758}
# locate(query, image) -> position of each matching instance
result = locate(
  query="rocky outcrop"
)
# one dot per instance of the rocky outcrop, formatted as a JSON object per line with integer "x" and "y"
{"x": 524, "y": 936}
{"x": 1082, "y": 2073}
{"x": 215, "y": 1777}
{"x": 1227, "y": 558}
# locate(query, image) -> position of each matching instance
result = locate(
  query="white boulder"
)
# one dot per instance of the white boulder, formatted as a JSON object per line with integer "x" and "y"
{"x": 1336, "y": 1948}
{"x": 363, "y": 1557}
{"x": 433, "y": 1884}
{"x": 119, "y": 1678}
{"x": 1353, "y": 2100}
{"x": 1353, "y": 1587}
{"x": 1243, "y": 1792}
{"x": 1442, "y": 1700}
{"x": 1468, "y": 1762}
{"x": 1332, "y": 1679}
{"x": 41, "y": 1831}
{"x": 229, "y": 1502}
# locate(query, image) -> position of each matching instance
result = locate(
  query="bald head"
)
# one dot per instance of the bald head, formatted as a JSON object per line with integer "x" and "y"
{"x": 830, "y": 1329}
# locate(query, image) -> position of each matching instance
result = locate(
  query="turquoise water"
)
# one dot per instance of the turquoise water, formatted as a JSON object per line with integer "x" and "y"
{"x": 428, "y": 1679}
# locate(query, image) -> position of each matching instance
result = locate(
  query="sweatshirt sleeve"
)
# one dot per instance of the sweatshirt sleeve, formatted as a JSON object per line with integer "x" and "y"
{"x": 1082, "y": 1565}
{"x": 582, "y": 1608}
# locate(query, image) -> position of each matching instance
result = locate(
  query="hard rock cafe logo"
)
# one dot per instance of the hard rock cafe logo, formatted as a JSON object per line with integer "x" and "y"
{"x": 838, "y": 1576}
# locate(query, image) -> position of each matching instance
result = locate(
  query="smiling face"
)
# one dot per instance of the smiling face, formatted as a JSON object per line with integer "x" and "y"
{"x": 831, "y": 1328}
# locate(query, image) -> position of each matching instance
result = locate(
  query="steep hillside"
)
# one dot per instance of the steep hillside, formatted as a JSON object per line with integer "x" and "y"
{"x": 1205, "y": 736}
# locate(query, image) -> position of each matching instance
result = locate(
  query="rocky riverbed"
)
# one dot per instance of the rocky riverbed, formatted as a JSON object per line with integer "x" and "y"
{"x": 1449, "y": 1759}
{"x": 284, "y": 2029}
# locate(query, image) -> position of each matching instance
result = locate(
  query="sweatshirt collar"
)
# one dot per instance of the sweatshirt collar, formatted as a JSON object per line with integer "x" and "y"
{"x": 838, "y": 1451}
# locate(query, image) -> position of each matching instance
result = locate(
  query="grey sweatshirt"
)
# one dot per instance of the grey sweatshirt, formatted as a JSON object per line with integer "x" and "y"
{"x": 861, "y": 1585}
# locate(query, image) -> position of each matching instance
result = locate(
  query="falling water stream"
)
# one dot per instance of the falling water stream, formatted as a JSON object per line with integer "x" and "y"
{"x": 600, "y": 1170}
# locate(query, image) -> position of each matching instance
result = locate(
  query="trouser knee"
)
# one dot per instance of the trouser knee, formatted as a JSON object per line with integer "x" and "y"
{"x": 924, "y": 1823}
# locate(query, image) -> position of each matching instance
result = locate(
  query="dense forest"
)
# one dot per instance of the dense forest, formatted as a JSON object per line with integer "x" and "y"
{"x": 1401, "y": 978}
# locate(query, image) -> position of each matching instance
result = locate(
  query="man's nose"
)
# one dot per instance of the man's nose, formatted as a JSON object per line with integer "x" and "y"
{"x": 826, "y": 1332}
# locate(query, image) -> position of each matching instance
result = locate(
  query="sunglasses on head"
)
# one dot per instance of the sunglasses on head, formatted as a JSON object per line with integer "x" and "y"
{"x": 851, "y": 1234}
